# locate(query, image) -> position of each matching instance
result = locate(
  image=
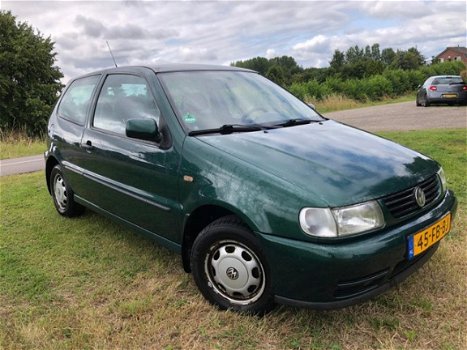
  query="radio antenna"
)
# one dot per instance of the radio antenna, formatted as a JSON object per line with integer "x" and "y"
{"x": 111, "y": 54}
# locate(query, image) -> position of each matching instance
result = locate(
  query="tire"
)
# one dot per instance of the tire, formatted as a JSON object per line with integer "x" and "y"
{"x": 230, "y": 269}
{"x": 426, "y": 103}
{"x": 62, "y": 194}
{"x": 418, "y": 104}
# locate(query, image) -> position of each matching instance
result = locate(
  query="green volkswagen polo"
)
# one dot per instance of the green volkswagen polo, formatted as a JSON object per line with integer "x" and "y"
{"x": 265, "y": 200}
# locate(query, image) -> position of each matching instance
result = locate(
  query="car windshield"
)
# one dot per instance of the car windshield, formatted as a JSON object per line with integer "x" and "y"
{"x": 210, "y": 99}
{"x": 447, "y": 80}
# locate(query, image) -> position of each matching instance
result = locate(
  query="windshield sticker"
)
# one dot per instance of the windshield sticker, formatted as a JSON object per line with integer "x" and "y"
{"x": 189, "y": 118}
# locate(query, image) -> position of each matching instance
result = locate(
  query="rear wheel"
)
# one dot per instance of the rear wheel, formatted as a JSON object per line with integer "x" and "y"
{"x": 426, "y": 102}
{"x": 230, "y": 269}
{"x": 62, "y": 194}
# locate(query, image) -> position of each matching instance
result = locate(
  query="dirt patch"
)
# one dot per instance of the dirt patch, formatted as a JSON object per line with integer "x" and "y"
{"x": 403, "y": 116}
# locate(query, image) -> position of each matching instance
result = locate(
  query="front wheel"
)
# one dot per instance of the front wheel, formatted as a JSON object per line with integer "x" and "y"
{"x": 230, "y": 269}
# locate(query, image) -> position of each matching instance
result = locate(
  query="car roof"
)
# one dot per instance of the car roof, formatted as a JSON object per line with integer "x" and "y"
{"x": 173, "y": 67}
{"x": 180, "y": 67}
{"x": 444, "y": 76}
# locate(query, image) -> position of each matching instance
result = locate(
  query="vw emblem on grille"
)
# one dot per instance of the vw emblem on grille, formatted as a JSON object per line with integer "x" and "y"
{"x": 419, "y": 196}
{"x": 232, "y": 273}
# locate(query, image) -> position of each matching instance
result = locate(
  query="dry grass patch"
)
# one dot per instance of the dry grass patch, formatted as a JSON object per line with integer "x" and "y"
{"x": 334, "y": 103}
{"x": 89, "y": 283}
{"x": 17, "y": 144}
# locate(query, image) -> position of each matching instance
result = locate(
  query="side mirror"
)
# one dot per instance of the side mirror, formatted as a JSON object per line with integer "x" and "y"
{"x": 419, "y": 86}
{"x": 143, "y": 129}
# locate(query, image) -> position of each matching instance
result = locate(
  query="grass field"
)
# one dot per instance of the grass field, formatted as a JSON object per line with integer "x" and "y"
{"x": 89, "y": 283}
{"x": 14, "y": 145}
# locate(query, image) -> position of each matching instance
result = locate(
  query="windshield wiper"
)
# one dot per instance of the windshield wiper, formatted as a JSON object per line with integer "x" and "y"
{"x": 229, "y": 129}
{"x": 296, "y": 121}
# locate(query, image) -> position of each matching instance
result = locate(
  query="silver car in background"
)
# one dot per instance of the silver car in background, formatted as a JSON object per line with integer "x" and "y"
{"x": 449, "y": 89}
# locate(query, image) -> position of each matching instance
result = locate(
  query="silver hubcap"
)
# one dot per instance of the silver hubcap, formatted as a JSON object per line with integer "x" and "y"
{"x": 235, "y": 272}
{"x": 60, "y": 192}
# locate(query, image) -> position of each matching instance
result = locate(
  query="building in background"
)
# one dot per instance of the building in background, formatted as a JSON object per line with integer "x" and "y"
{"x": 458, "y": 53}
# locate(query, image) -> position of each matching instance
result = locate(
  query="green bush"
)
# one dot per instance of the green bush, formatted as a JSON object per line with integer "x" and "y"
{"x": 392, "y": 82}
{"x": 316, "y": 90}
{"x": 298, "y": 90}
{"x": 377, "y": 87}
{"x": 335, "y": 85}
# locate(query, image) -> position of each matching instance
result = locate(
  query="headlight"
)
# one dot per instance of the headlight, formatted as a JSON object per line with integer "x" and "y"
{"x": 325, "y": 222}
{"x": 318, "y": 222}
{"x": 358, "y": 218}
{"x": 442, "y": 179}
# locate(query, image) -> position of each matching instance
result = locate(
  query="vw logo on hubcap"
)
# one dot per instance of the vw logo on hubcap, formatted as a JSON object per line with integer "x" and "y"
{"x": 232, "y": 273}
{"x": 419, "y": 196}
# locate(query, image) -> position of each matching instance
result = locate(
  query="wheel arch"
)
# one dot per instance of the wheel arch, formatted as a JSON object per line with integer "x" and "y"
{"x": 197, "y": 220}
{"x": 49, "y": 165}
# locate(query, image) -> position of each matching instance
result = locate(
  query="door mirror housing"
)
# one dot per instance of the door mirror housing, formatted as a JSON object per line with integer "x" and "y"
{"x": 143, "y": 129}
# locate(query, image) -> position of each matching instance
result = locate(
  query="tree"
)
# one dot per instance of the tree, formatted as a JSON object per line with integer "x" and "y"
{"x": 387, "y": 56}
{"x": 337, "y": 61}
{"x": 259, "y": 64}
{"x": 29, "y": 79}
{"x": 354, "y": 54}
{"x": 287, "y": 64}
{"x": 410, "y": 59}
{"x": 375, "y": 52}
{"x": 276, "y": 74}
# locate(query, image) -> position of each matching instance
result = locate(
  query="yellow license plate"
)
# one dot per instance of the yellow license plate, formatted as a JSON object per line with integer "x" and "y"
{"x": 424, "y": 239}
{"x": 450, "y": 95}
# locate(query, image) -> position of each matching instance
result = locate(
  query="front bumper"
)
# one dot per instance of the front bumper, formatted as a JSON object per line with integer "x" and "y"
{"x": 325, "y": 276}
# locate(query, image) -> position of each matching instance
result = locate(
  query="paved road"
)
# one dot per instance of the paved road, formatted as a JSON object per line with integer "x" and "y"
{"x": 396, "y": 116}
{"x": 403, "y": 116}
{"x": 21, "y": 165}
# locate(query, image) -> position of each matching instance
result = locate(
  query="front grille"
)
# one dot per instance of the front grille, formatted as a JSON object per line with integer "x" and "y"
{"x": 403, "y": 203}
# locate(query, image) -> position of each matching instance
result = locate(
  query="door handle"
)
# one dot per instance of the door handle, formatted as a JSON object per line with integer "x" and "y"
{"x": 88, "y": 147}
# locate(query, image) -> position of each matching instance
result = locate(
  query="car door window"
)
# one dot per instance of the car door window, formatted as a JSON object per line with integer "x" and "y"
{"x": 123, "y": 97}
{"x": 75, "y": 103}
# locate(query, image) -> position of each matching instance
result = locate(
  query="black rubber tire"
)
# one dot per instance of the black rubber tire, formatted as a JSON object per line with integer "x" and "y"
{"x": 418, "y": 104}
{"x": 69, "y": 208}
{"x": 229, "y": 228}
{"x": 426, "y": 103}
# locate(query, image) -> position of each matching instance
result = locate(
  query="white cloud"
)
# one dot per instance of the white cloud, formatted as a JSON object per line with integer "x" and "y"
{"x": 270, "y": 53}
{"x": 189, "y": 54}
{"x": 316, "y": 43}
{"x": 222, "y": 32}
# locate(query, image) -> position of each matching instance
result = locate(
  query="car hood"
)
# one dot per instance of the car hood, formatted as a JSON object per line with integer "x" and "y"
{"x": 338, "y": 164}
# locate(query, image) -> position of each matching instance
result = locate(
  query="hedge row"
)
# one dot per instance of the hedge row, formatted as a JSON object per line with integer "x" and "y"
{"x": 392, "y": 83}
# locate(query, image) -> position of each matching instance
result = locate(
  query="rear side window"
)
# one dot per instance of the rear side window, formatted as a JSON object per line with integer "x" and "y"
{"x": 75, "y": 103}
{"x": 123, "y": 97}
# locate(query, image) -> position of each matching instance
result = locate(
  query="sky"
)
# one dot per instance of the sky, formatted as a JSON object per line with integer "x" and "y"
{"x": 220, "y": 32}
